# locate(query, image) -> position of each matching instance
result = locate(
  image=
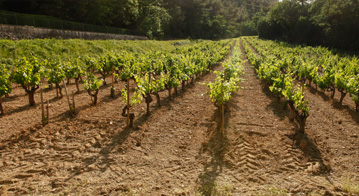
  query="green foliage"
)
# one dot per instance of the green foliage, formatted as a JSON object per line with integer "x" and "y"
{"x": 105, "y": 65}
{"x": 92, "y": 83}
{"x": 55, "y": 73}
{"x": 28, "y": 73}
{"x": 153, "y": 17}
{"x": 338, "y": 21}
{"x": 136, "y": 98}
{"x": 300, "y": 103}
{"x": 331, "y": 23}
{"x": 130, "y": 69}
{"x": 303, "y": 70}
{"x": 268, "y": 71}
{"x": 157, "y": 71}
{"x": 279, "y": 84}
{"x": 72, "y": 50}
{"x": 353, "y": 88}
{"x": 146, "y": 86}
{"x": 206, "y": 19}
{"x": 296, "y": 96}
{"x": 91, "y": 64}
{"x": 325, "y": 79}
{"x": 167, "y": 67}
{"x": 227, "y": 80}
{"x": 277, "y": 68}
{"x": 316, "y": 64}
{"x": 341, "y": 80}
{"x": 5, "y": 84}
{"x": 248, "y": 28}
{"x": 73, "y": 69}
{"x": 221, "y": 90}
{"x": 267, "y": 28}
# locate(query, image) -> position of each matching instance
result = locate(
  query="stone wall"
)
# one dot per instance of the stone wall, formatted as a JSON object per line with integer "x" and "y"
{"x": 15, "y": 32}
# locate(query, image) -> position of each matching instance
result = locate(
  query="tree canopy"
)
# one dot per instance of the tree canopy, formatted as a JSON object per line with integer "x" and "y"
{"x": 207, "y": 19}
{"x": 333, "y": 23}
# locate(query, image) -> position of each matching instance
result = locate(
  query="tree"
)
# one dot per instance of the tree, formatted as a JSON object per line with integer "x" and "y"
{"x": 209, "y": 19}
{"x": 331, "y": 23}
{"x": 268, "y": 29}
{"x": 287, "y": 14}
{"x": 338, "y": 21}
{"x": 152, "y": 18}
{"x": 124, "y": 13}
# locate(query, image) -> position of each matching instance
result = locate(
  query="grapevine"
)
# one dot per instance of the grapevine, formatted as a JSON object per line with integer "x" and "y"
{"x": 5, "y": 85}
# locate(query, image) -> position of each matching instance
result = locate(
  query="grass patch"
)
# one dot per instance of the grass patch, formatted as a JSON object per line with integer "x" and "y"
{"x": 215, "y": 189}
{"x": 274, "y": 191}
{"x": 351, "y": 187}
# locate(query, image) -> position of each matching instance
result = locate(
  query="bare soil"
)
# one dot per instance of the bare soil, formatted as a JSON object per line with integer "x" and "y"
{"x": 178, "y": 149}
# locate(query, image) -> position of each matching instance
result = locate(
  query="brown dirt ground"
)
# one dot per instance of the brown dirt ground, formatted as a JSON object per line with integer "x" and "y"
{"x": 178, "y": 149}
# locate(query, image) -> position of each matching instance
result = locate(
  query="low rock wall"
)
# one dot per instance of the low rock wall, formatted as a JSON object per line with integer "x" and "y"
{"x": 15, "y": 32}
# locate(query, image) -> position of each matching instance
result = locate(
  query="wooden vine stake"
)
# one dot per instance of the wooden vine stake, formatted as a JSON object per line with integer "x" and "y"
{"x": 43, "y": 117}
{"x": 1, "y": 109}
{"x": 47, "y": 110}
{"x": 222, "y": 106}
{"x": 169, "y": 92}
{"x": 148, "y": 102}
{"x": 73, "y": 102}
{"x": 128, "y": 102}
{"x": 113, "y": 86}
{"x": 42, "y": 108}
{"x": 72, "y": 110}
{"x": 222, "y": 127}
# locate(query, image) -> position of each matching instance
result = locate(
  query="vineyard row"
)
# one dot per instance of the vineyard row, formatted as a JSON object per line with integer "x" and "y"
{"x": 153, "y": 72}
{"x": 287, "y": 69}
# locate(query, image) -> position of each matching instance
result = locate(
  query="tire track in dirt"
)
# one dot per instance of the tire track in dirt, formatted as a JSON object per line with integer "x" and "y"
{"x": 332, "y": 132}
{"x": 258, "y": 150}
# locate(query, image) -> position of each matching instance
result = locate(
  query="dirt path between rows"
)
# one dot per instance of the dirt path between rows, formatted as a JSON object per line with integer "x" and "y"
{"x": 178, "y": 149}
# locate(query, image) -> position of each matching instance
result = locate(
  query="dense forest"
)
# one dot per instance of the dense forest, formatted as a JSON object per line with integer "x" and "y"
{"x": 333, "y": 23}
{"x": 207, "y": 19}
